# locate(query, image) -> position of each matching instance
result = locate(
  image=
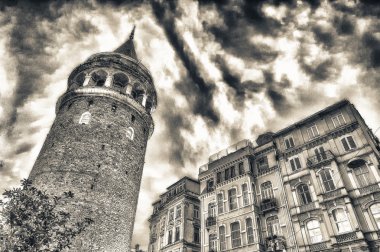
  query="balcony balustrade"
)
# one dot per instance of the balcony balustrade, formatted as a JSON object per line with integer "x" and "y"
{"x": 210, "y": 221}
{"x": 346, "y": 237}
{"x": 268, "y": 205}
{"x": 320, "y": 159}
{"x": 307, "y": 207}
{"x": 275, "y": 243}
{"x": 318, "y": 246}
{"x": 369, "y": 189}
{"x": 332, "y": 194}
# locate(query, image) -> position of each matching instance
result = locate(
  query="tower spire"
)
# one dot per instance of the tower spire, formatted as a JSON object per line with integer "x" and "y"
{"x": 128, "y": 48}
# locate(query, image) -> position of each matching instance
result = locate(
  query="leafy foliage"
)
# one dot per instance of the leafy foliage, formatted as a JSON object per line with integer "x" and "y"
{"x": 31, "y": 220}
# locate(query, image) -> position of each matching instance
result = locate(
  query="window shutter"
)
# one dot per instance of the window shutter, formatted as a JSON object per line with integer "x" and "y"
{"x": 345, "y": 144}
{"x": 292, "y": 165}
{"x": 298, "y": 164}
{"x": 351, "y": 142}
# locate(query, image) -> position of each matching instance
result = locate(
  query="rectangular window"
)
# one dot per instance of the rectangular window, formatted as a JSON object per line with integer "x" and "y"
{"x": 314, "y": 231}
{"x": 170, "y": 236}
{"x": 232, "y": 172}
{"x": 327, "y": 180}
{"x": 219, "y": 177}
{"x": 171, "y": 214}
{"x": 196, "y": 234}
{"x": 320, "y": 153}
{"x": 177, "y": 233}
{"x": 313, "y": 131}
{"x": 220, "y": 203}
{"x": 212, "y": 242}
{"x": 341, "y": 220}
{"x": 289, "y": 143}
{"x": 244, "y": 189}
{"x": 235, "y": 235}
{"x": 338, "y": 120}
{"x": 179, "y": 211}
{"x": 249, "y": 227}
{"x": 363, "y": 176}
{"x": 295, "y": 163}
{"x": 348, "y": 143}
{"x": 227, "y": 174}
{"x": 232, "y": 201}
{"x": 241, "y": 168}
{"x": 196, "y": 212}
{"x": 210, "y": 185}
{"x": 262, "y": 164}
{"x": 222, "y": 238}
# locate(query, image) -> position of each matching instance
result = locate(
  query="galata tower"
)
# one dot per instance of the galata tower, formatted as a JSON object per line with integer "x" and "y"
{"x": 96, "y": 145}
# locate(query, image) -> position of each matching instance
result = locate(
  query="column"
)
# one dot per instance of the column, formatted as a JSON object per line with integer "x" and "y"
{"x": 108, "y": 80}
{"x": 351, "y": 177}
{"x": 87, "y": 80}
{"x": 144, "y": 100}
{"x": 129, "y": 89}
{"x": 375, "y": 173}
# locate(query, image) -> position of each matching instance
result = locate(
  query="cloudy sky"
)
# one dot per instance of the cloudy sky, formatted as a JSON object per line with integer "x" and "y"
{"x": 223, "y": 72}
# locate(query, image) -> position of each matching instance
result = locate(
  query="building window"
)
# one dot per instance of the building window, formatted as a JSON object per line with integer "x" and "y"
{"x": 320, "y": 153}
{"x": 375, "y": 210}
{"x": 244, "y": 189}
{"x": 210, "y": 185}
{"x": 338, "y": 120}
{"x": 348, "y": 143}
{"x": 85, "y": 118}
{"x": 289, "y": 143}
{"x": 130, "y": 133}
{"x": 232, "y": 201}
{"x": 212, "y": 242}
{"x": 241, "y": 168}
{"x": 196, "y": 212}
{"x": 178, "y": 211}
{"x": 227, "y": 174}
{"x": 171, "y": 214}
{"x": 222, "y": 238}
{"x": 327, "y": 180}
{"x": 363, "y": 176}
{"x": 196, "y": 234}
{"x": 220, "y": 203}
{"x": 235, "y": 235}
{"x": 295, "y": 163}
{"x": 273, "y": 226}
{"x": 262, "y": 164}
{"x": 170, "y": 236}
{"x": 314, "y": 231}
{"x": 211, "y": 209}
{"x": 313, "y": 131}
{"x": 177, "y": 233}
{"x": 249, "y": 228}
{"x": 304, "y": 194}
{"x": 219, "y": 177}
{"x": 266, "y": 190}
{"x": 254, "y": 193}
{"x": 341, "y": 220}
{"x": 232, "y": 172}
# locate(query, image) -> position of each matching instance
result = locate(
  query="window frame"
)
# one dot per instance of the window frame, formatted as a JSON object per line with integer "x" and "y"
{"x": 311, "y": 132}
{"x": 327, "y": 181}
{"x": 245, "y": 194}
{"x": 177, "y": 235}
{"x": 211, "y": 209}
{"x": 338, "y": 222}
{"x": 315, "y": 238}
{"x": 220, "y": 202}
{"x": 249, "y": 231}
{"x": 290, "y": 140}
{"x": 376, "y": 216}
{"x": 304, "y": 196}
{"x": 235, "y": 235}
{"x": 294, "y": 158}
{"x": 234, "y": 198}
{"x": 345, "y": 140}
{"x": 337, "y": 117}
{"x": 273, "y": 225}
{"x": 222, "y": 242}
{"x": 267, "y": 192}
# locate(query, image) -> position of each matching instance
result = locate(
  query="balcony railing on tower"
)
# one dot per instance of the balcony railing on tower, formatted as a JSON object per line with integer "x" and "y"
{"x": 320, "y": 159}
{"x": 268, "y": 205}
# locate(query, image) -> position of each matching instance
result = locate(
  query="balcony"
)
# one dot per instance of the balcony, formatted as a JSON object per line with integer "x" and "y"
{"x": 275, "y": 243}
{"x": 369, "y": 189}
{"x": 347, "y": 237}
{"x": 308, "y": 207}
{"x": 318, "y": 246}
{"x": 268, "y": 205}
{"x": 320, "y": 159}
{"x": 332, "y": 194}
{"x": 210, "y": 221}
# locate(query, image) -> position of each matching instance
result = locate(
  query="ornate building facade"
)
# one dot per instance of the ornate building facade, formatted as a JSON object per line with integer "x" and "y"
{"x": 175, "y": 222}
{"x": 312, "y": 186}
{"x": 96, "y": 146}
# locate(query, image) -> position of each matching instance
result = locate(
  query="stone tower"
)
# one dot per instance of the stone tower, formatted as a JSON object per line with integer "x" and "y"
{"x": 96, "y": 145}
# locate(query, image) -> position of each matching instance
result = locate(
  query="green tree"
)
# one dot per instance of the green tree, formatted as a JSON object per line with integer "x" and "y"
{"x": 31, "y": 220}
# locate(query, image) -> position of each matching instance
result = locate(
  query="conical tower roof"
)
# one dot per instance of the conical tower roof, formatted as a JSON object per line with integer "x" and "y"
{"x": 128, "y": 48}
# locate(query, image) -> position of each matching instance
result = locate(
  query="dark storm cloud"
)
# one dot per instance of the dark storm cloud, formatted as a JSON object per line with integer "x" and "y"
{"x": 372, "y": 47}
{"x": 275, "y": 92}
{"x": 345, "y": 25}
{"x": 197, "y": 91}
{"x": 323, "y": 36}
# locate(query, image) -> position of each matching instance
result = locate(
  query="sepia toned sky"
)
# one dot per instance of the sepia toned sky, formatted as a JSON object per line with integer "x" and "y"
{"x": 224, "y": 71}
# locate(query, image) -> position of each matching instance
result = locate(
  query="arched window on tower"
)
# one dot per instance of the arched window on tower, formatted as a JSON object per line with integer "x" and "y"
{"x": 120, "y": 81}
{"x": 130, "y": 133}
{"x": 79, "y": 79}
{"x": 98, "y": 78}
{"x": 85, "y": 118}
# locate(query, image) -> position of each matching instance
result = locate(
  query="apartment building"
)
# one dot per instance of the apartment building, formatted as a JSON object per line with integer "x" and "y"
{"x": 312, "y": 186}
{"x": 175, "y": 222}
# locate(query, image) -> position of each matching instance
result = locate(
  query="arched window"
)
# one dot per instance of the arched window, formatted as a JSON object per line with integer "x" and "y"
{"x": 375, "y": 210}
{"x": 211, "y": 209}
{"x": 249, "y": 228}
{"x": 79, "y": 79}
{"x": 235, "y": 235}
{"x": 363, "y": 175}
{"x": 130, "y": 133}
{"x": 273, "y": 226}
{"x": 314, "y": 230}
{"x": 232, "y": 200}
{"x": 222, "y": 238}
{"x": 220, "y": 203}
{"x": 98, "y": 78}
{"x": 327, "y": 180}
{"x": 266, "y": 190}
{"x": 244, "y": 189}
{"x": 85, "y": 118}
{"x": 341, "y": 220}
{"x": 304, "y": 194}
{"x": 120, "y": 81}
{"x": 212, "y": 242}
